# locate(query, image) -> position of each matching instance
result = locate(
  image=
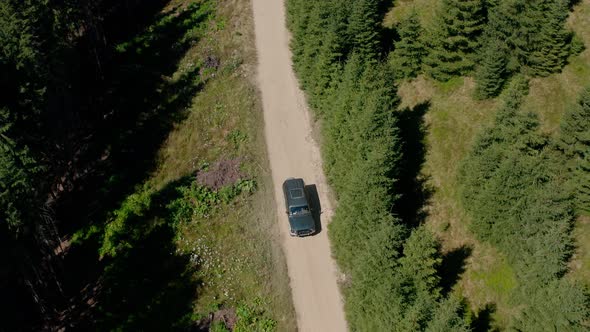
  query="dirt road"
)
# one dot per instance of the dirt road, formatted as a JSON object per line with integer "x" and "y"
{"x": 293, "y": 152}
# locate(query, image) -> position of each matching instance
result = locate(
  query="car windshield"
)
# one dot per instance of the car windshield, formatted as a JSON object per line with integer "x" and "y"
{"x": 297, "y": 210}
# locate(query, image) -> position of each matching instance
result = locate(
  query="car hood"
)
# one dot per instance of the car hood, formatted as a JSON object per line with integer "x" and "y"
{"x": 302, "y": 222}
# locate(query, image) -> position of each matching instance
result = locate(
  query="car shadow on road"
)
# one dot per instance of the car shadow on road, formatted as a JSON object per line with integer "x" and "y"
{"x": 316, "y": 207}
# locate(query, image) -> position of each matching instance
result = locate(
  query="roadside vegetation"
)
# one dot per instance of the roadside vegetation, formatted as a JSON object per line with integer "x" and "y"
{"x": 461, "y": 203}
{"x": 133, "y": 170}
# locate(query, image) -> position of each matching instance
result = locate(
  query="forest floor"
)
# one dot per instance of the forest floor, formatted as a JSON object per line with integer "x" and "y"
{"x": 293, "y": 152}
{"x": 224, "y": 261}
{"x": 448, "y": 119}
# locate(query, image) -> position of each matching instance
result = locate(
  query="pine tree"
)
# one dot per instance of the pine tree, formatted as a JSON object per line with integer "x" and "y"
{"x": 406, "y": 58}
{"x": 419, "y": 271}
{"x": 491, "y": 73}
{"x": 339, "y": 112}
{"x": 364, "y": 28}
{"x": 550, "y": 54}
{"x": 362, "y": 151}
{"x": 298, "y": 16}
{"x": 455, "y": 38}
{"x": 19, "y": 178}
{"x": 574, "y": 138}
{"x": 534, "y": 32}
{"x": 307, "y": 46}
{"x": 582, "y": 180}
{"x": 448, "y": 317}
{"x": 422, "y": 247}
{"x": 375, "y": 301}
{"x": 560, "y": 306}
{"x": 326, "y": 67}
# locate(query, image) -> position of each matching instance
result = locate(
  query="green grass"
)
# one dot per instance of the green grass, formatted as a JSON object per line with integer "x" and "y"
{"x": 493, "y": 283}
{"x": 425, "y": 8}
{"x": 452, "y": 122}
{"x": 239, "y": 244}
{"x": 233, "y": 247}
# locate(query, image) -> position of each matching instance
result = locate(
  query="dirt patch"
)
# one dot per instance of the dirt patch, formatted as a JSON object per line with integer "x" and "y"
{"x": 222, "y": 173}
{"x": 210, "y": 66}
{"x": 227, "y": 316}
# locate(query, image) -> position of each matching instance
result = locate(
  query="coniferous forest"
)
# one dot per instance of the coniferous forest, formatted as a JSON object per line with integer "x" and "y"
{"x": 109, "y": 110}
{"x": 520, "y": 187}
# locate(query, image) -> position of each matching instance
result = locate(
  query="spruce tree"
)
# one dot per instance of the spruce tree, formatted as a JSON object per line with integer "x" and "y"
{"x": 550, "y": 54}
{"x": 574, "y": 140}
{"x": 560, "y": 306}
{"x": 307, "y": 47}
{"x": 406, "y": 58}
{"x": 298, "y": 16}
{"x": 364, "y": 26}
{"x": 534, "y": 32}
{"x": 491, "y": 73}
{"x": 339, "y": 113}
{"x": 574, "y": 137}
{"x": 454, "y": 39}
{"x": 448, "y": 317}
{"x": 20, "y": 176}
{"x": 375, "y": 300}
{"x": 422, "y": 247}
{"x": 362, "y": 151}
{"x": 326, "y": 68}
{"x": 582, "y": 180}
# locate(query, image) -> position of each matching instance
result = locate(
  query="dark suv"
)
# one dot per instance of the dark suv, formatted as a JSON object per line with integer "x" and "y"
{"x": 297, "y": 208}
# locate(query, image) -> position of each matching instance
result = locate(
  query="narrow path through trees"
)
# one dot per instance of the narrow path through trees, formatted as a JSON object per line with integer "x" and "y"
{"x": 293, "y": 152}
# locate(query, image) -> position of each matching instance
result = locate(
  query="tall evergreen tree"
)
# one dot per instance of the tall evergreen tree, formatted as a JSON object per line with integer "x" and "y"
{"x": 454, "y": 39}
{"x": 375, "y": 301}
{"x": 574, "y": 137}
{"x": 582, "y": 180}
{"x": 362, "y": 151}
{"x": 307, "y": 47}
{"x": 19, "y": 182}
{"x": 534, "y": 32}
{"x": 406, "y": 58}
{"x": 448, "y": 317}
{"x": 326, "y": 67}
{"x": 491, "y": 72}
{"x": 422, "y": 247}
{"x": 560, "y": 306}
{"x": 574, "y": 140}
{"x": 364, "y": 28}
{"x": 549, "y": 55}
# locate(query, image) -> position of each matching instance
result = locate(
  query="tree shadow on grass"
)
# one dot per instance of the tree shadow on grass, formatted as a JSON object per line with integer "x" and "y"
{"x": 411, "y": 186}
{"x": 144, "y": 288}
{"x": 149, "y": 286}
{"x": 142, "y": 103}
{"x": 483, "y": 320}
{"x": 452, "y": 267}
{"x": 146, "y": 284}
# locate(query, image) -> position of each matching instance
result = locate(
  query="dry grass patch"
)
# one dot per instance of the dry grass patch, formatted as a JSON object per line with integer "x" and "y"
{"x": 426, "y": 10}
